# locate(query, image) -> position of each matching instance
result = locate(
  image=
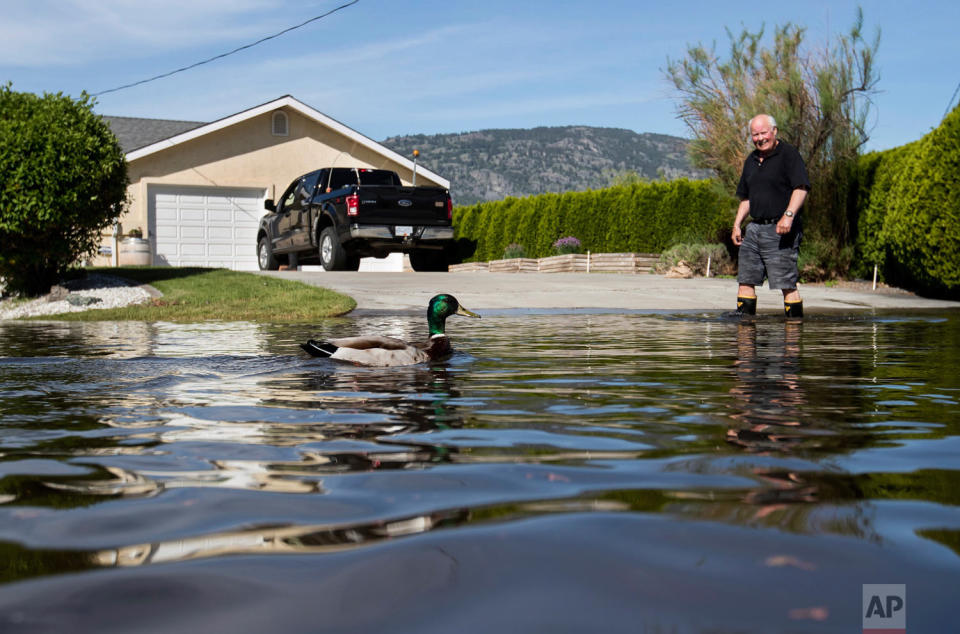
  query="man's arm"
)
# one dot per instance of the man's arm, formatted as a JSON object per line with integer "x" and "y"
{"x": 742, "y": 211}
{"x": 796, "y": 202}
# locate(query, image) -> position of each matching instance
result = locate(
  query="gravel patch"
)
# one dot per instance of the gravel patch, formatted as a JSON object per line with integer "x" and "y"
{"x": 104, "y": 291}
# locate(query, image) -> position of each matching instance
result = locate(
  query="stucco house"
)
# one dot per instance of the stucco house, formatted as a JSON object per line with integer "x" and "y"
{"x": 197, "y": 189}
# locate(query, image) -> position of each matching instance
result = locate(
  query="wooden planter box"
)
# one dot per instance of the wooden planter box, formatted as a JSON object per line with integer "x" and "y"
{"x": 570, "y": 263}
{"x": 514, "y": 265}
{"x": 623, "y": 262}
{"x": 469, "y": 266}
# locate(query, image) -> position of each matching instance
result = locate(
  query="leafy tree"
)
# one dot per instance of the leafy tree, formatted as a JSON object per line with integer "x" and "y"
{"x": 63, "y": 180}
{"x": 820, "y": 99}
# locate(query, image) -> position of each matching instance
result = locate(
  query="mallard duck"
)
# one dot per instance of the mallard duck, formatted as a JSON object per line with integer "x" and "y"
{"x": 388, "y": 352}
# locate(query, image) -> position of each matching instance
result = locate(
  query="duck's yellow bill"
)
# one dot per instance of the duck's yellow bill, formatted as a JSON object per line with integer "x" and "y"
{"x": 463, "y": 311}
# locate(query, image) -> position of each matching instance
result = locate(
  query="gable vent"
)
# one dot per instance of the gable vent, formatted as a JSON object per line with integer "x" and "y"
{"x": 280, "y": 124}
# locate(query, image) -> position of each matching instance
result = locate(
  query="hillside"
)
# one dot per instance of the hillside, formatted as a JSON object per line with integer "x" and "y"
{"x": 494, "y": 164}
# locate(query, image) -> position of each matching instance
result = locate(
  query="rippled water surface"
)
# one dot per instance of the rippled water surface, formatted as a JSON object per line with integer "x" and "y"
{"x": 584, "y": 472}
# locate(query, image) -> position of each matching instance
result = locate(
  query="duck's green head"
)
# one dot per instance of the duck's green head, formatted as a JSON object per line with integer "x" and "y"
{"x": 442, "y": 306}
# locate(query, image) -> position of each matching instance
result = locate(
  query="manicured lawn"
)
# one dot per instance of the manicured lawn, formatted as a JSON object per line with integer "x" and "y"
{"x": 197, "y": 294}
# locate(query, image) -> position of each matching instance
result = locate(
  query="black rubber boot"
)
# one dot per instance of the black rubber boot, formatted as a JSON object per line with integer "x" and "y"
{"x": 746, "y": 305}
{"x": 793, "y": 309}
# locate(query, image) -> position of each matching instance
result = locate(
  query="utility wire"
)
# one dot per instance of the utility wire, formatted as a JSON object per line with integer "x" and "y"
{"x": 222, "y": 55}
{"x": 950, "y": 103}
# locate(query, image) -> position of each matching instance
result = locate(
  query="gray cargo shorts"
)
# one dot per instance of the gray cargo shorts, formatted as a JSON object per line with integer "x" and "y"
{"x": 767, "y": 254}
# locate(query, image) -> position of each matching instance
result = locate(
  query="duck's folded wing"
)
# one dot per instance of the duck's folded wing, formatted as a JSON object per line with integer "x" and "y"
{"x": 368, "y": 342}
{"x": 381, "y": 357}
{"x": 377, "y": 351}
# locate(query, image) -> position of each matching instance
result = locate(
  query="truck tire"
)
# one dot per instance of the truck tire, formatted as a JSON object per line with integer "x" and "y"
{"x": 266, "y": 260}
{"x": 333, "y": 257}
{"x": 428, "y": 261}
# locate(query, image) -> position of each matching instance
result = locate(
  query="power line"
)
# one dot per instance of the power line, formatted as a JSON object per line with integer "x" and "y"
{"x": 222, "y": 55}
{"x": 950, "y": 103}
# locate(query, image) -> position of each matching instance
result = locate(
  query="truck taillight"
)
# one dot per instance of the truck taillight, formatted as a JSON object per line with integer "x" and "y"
{"x": 353, "y": 205}
{"x": 449, "y": 208}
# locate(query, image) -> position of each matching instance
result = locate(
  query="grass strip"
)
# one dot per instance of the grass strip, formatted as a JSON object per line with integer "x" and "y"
{"x": 201, "y": 294}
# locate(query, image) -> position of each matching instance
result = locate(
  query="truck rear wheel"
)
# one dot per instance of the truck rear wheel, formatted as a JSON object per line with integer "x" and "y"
{"x": 333, "y": 257}
{"x": 428, "y": 261}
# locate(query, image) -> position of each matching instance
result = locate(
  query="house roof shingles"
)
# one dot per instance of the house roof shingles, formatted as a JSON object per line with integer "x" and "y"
{"x": 134, "y": 133}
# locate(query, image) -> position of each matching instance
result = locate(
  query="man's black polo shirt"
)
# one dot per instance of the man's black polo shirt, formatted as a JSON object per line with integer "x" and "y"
{"x": 768, "y": 185}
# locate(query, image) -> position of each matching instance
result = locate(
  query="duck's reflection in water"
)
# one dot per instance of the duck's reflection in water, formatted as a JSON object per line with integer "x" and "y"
{"x": 331, "y": 420}
{"x": 274, "y": 540}
{"x": 413, "y": 400}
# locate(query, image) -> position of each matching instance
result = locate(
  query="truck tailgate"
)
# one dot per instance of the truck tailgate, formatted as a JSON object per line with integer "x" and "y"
{"x": 403, "y": 205}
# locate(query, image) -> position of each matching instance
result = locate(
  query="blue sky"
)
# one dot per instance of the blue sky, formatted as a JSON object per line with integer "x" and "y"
{"x": 389, "y": 67}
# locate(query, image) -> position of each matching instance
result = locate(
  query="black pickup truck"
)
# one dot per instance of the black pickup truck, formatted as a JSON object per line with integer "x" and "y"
{"x": 338, "y": 215}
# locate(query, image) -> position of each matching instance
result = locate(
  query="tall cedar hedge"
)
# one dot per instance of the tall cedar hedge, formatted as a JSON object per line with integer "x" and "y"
{"x": 909, "y": 212}
{"x": 639, "y": 217}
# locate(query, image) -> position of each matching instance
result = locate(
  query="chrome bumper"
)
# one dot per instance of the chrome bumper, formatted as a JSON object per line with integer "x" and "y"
{"x": 385, "y": 232}
{"x": 437, "y": 233}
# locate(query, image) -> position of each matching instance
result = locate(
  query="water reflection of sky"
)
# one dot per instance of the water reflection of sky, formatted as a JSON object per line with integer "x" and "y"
{"x": 699, "y": 448}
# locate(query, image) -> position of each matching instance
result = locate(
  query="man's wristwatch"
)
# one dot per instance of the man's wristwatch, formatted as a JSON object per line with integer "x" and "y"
{"x": 788, "y": 214}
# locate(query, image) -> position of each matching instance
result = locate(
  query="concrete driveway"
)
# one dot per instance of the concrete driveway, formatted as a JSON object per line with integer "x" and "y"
{"x": 497, "y": 291}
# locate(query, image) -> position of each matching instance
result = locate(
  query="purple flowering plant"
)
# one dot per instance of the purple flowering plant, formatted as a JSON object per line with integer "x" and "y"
{"x": 566, "y": 245}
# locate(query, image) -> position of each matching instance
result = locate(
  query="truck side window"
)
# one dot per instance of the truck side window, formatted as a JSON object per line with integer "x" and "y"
{"x": 309, "y": 187}
{"x": 289, "y": 196}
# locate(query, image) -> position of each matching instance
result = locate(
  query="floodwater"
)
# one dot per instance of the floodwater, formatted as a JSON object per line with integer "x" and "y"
{"x": 561, "y": 473}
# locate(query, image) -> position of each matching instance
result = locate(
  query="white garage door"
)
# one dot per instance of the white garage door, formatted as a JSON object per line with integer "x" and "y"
{"x": 205, "y": 226}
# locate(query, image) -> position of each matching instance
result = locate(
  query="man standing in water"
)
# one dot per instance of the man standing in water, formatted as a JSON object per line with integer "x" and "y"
{"x": 773, "y": 186}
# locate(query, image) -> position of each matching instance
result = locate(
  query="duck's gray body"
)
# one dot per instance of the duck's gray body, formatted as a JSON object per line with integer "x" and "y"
{"x": 381, "y": 352}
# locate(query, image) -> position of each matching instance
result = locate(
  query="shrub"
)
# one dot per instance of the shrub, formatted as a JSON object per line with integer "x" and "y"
{"x": 62, "y": 182}
{"x": 821, "y": 259}
{"x": 697, "y": 257}
{"x": 514, "y": 250}
{"x": 920, "y": 232}
{"x": 567, "y": 245}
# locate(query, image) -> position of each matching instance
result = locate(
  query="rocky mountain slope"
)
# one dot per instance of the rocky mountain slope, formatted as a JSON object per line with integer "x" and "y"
{"x": 494, "y": 164}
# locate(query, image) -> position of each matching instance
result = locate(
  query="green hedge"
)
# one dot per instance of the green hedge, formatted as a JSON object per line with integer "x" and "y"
{"x": 878, "y": 172}
{"x": 909, "y": 212}
{"x": 922, "y": 228}
{"x": 639, "y": 217}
